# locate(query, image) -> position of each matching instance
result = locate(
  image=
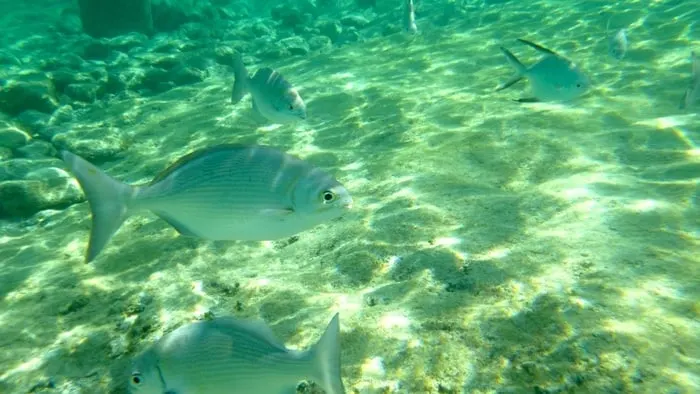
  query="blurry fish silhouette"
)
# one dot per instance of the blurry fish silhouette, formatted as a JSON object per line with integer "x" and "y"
{"x": 618, "y": 43}
{"x": 225, "y": 192}
{"x": 552, "y": 78}
{"x": 230, "y": 356}
{"x": 273, "y": 97}
{"x": 692, "y": 94}
{"x": 410, "y": 17}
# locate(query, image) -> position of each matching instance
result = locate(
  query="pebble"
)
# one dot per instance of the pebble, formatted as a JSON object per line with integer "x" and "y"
{"x": 295, "y": 45}
{"x": 97, "y": 145}
{"x": 19, "y": 96}
{"x": 356, "y": 21}
{"x": 24, "y": 198}
{"x": 11, "y": 137}
{"x": 36, "y": 149}
{"x": 82, "y": 92}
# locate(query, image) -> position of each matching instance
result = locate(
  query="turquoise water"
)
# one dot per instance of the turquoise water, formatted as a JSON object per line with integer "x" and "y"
{"x": 493, "y": 246}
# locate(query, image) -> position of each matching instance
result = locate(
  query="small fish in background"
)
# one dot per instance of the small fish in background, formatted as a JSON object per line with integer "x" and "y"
{"x": 226, "y": 355}
{"x": 692, "y": 94}
{"x": 410, "y": 17}
{"x": 273, "y": 97}
{"x": 552, "y": 78}
{"x": 618, "y": 43}
{"x": 225, "y": 192}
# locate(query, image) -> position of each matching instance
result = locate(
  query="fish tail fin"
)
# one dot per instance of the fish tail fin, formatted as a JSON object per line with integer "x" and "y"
{"x": 325, "y": 356}
{"x": 519, "y": 67}
{"x": 240, "y": 84}
{"x": 108, "y": 199}
{"x": 520, "y": 70}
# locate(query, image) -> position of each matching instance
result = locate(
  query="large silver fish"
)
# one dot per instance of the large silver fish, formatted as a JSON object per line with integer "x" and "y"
{"x": 226, "y": 192}
{"x": 273, "y": 97}
{"x": 552, "y": 78}
{"x": 692, "y": 94}
{"x": 231, "y": 356}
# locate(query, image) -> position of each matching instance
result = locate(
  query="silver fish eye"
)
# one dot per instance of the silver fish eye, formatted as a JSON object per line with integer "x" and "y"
{"x": 136, "y": 378}
{"x": 328, "y": 196}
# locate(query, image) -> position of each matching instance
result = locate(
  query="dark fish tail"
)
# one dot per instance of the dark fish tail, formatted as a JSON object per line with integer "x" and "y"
{"x": 325, "y": 356}
{"x": 108, "y": 199}
{"x": 240, "y": 85}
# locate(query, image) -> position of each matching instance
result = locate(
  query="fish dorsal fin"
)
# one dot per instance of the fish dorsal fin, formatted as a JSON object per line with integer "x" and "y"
{"x": 268, "y": 77}
{"x": 188, "y": 158}
{"x": 256, "y": 328}
{"x": 538, "y": 47}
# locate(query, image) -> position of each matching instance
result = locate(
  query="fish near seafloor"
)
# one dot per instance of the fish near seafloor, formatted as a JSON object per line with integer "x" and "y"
{"x": 273, "y": 97}
{"x": 231, "y": 356}
{"x": 692, "y": 93}
{"x": 225, "y": 192}
{"x": 552, "y": 78}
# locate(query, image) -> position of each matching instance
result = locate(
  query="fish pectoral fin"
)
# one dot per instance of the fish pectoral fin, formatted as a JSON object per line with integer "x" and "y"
{"x": 178, "y": 226}
{"x": 527, "y": 100}
{"x": 512, "y": 81}
{"x": 276, "y": 211}
{"x": 538, "y": 47}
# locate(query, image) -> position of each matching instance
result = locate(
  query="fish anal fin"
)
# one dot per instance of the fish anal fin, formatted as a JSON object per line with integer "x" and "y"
{"x": 538, "y": 47}
{"x": 178, "y": 226}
